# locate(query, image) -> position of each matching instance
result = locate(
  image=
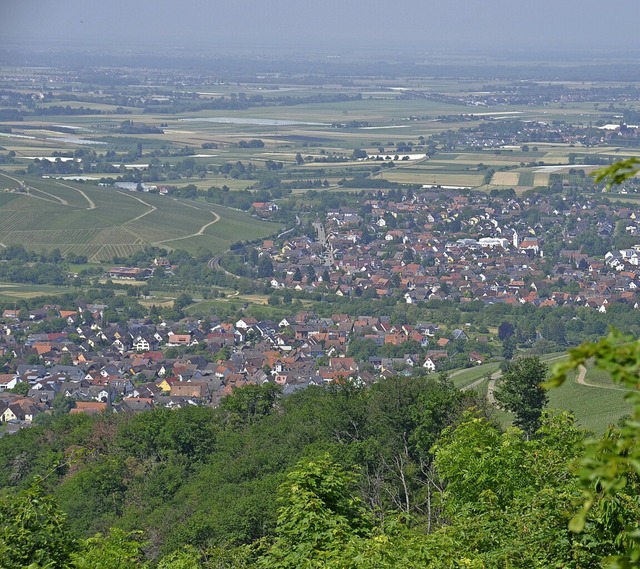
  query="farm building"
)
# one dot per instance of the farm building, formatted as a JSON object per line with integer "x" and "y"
{"x": 131, "y": 273}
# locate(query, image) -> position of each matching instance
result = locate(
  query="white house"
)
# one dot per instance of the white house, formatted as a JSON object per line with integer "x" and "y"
{"x": 8, "y": 381}
{"x": 429, "y": 365}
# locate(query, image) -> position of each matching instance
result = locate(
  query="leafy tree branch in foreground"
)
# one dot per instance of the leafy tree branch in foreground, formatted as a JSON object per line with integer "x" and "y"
{"x": 610, "y": 467}
{"x": 618, "y": 172}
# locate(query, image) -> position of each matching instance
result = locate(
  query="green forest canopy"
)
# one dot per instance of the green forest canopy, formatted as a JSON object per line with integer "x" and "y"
{"x": 409, "y": 472}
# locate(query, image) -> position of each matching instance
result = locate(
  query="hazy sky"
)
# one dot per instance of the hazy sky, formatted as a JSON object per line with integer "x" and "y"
{"x": 325, "y": 24}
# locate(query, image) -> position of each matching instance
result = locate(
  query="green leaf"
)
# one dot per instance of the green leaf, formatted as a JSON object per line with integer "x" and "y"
{"x": 577, "y": 522}
{"x": 618, "y": 172}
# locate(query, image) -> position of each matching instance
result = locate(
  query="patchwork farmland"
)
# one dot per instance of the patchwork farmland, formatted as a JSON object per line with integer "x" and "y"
{"x": 101, "y": 223}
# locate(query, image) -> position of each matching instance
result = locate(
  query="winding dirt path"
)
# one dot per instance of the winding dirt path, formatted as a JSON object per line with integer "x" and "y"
{"x": 196, "y": 234}
{"x": 151, "y": 210}
{"x": 91, "y": 203}
{"x": 492, "y": 386}
{"x": 214, "y": 264}
{"x": 56, "y": 198}
{"x": 496, "y": 376}
{"x": 477, "y": 382}
{"x": 580, "y": 378}
{"x": 32, "y": 195}
{"x": 188, "y": 205}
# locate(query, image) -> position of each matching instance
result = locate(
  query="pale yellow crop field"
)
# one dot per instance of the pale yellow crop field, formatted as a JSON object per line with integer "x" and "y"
{"x": 541, "y": 179}
{"x": 505, "y": 179}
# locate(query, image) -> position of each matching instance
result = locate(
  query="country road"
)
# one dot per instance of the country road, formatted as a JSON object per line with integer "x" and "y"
{"x": 322, "y": 238}
{"x": 287, "y": 231}
{"x": 322, "y": 235}
{"x": 214, "y": 264}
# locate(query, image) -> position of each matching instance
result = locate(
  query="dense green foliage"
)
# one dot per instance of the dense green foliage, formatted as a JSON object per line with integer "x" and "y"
{"x": 33, "y": 531}
{"x": 521, "y": 392}
{"x": 610, "y": 468}
{"x": 405, "y": 473}
{"x": 205, "y": 476}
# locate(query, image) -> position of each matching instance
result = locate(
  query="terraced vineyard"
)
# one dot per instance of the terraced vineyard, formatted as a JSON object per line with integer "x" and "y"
{"x": 102, "y": 223}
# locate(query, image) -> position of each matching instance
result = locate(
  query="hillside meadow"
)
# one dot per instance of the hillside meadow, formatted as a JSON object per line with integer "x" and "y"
{"x": 101, "y": 223}
{"x": 595, "y": 404}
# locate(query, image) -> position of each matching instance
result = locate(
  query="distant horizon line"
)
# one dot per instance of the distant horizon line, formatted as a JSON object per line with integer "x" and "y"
{"x": 337, "y": 50}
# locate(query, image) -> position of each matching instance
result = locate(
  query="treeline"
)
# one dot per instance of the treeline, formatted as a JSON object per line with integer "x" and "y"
{"x": 11, "y": 115}
{"x": 41, "y": 273}
{"x": 242, "y": 102}
{"x": 243, "y": 199}
{"x": 22, "y": 266}
{"x": 53, "y": 110}
{"x": 130, "y": 127}
{"x": 8, "y": 158}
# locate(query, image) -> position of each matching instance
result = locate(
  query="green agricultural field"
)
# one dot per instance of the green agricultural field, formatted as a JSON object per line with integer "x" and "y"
{"x": 595, "y": 408}
{"x": 493, "y": 159}
{"x": 305, "y": 128}
{"x": 526, "y": 179}
{"x": 391, "y": 108}
{"x": 10, "y": 292}
{"x": 434, "y": 177}
{"x": 102, "y": 223}
{"x": 234, "y": 306}
{"x": 463, "y": 378}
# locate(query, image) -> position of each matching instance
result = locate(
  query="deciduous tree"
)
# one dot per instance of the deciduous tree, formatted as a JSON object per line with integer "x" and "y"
{"x": 33, "y": 532}
{"x": 521, "y": 392}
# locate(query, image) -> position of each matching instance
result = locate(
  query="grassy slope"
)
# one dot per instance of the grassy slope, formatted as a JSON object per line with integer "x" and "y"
{"x": 595, "y": 408}
{"x": 101, "y": 223}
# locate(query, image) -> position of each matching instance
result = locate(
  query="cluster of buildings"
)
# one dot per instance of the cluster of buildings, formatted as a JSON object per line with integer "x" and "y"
{"x": 93, "y": 367}
{"x": 540, "y": 250}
